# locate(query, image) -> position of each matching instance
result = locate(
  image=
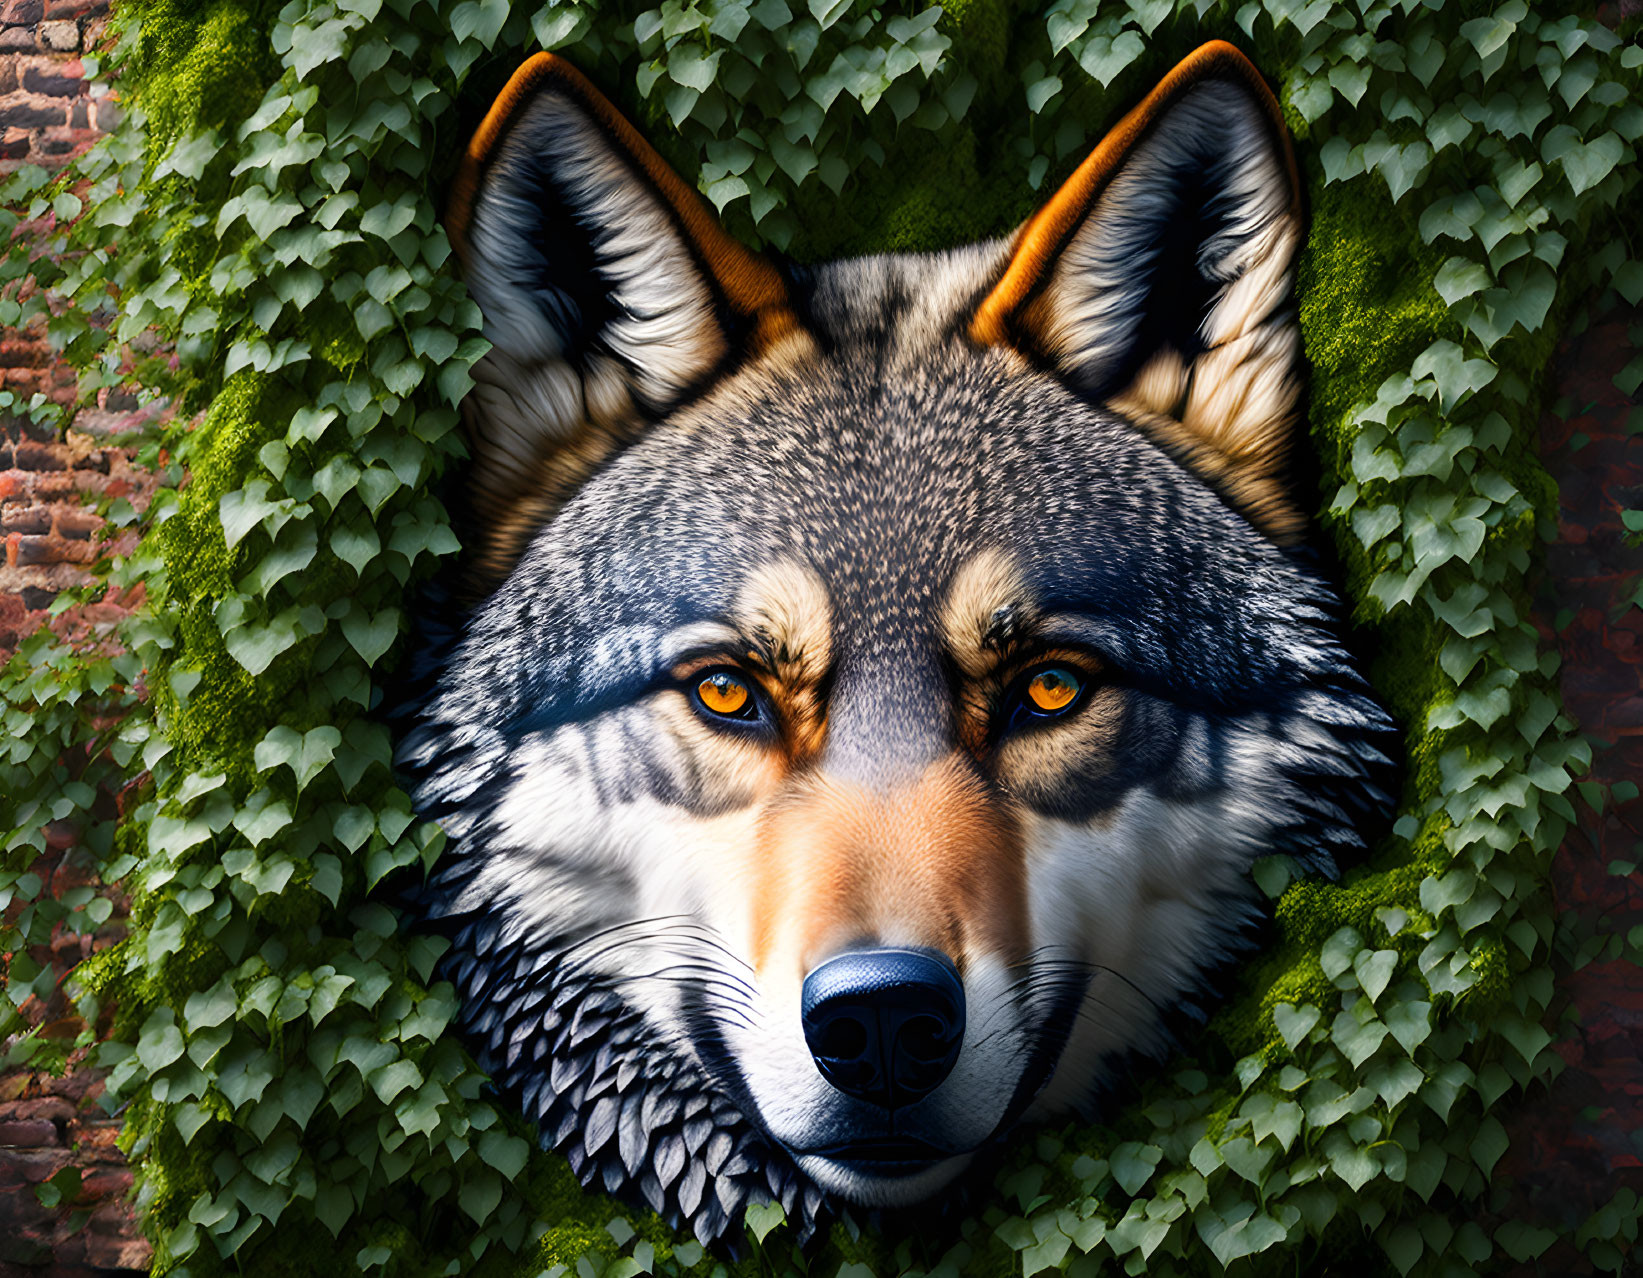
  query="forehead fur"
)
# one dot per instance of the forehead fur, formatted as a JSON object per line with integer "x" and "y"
{"x": 883, "y": 455}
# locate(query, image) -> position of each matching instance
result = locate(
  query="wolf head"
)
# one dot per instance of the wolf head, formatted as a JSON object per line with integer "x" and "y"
{"x": 886, "y": 673}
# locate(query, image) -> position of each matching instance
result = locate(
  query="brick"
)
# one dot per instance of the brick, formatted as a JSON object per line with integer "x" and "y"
{"x": 78, "y": 522}
{"x": 34, "y": 456}
{"x": 100, "y": 423}
{"x": 67, "y": 949}
{"x": 49, "y": 1108}
{"x": 54, "y": 550}
{"x": 33, "y": 1132}
{"x": 25, "y": 378}
{"x": 62, "y": 36}
{"x": 49, "y": 486}
{"x": 48, "y": 116}
{"x": 16, "y": 1248}
{"x": 30, "y": 1166}
{"x": 122, "y": 1252}
{"x": 96, "y": 1134}
{"x": 62, "y": 80}
{"x": 18, "y": 351}
{"x": 26, "y": 519}
{"x": 76, "y": 1085}
{"x": 40, "y": 432}
{"x": 33, "y": 114}
{"x": 106, "y": 1182}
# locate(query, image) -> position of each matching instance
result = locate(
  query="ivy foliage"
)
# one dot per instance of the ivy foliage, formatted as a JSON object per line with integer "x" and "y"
{"x": 270, "y": 208}
{"x": 69, "y": 738}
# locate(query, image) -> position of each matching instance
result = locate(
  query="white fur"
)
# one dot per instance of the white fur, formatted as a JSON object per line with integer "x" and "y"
{"x": 1148, "y": 894}
{"x": 529, "y": 397}
{"x": 1244, "y": 388}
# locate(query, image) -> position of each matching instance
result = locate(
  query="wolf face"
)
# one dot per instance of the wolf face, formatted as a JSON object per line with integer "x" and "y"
{"x": 885, "y": 674}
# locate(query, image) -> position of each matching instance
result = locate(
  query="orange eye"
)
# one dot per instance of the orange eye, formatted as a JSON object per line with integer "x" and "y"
{"x": 725, "y": 694}
{"x": 1052, "y": 691}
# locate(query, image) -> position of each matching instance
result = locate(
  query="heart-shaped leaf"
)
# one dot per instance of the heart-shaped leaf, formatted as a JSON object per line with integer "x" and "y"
{"x": 1294, "y": 1024}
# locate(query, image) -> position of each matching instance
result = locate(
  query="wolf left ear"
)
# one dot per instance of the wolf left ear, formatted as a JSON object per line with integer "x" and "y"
{"x": 1158, "y": 280}
{"x": 609, "y": 293}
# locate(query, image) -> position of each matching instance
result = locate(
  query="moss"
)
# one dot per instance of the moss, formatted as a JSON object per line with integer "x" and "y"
{"x": 201, "y": 570}
{"x": 338, "y": 344}
{"x": 198, "y": 66}
{"x": 1367, "y": 304}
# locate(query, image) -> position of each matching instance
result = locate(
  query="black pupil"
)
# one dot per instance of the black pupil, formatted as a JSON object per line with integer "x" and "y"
{"x": 725, "y": 689}
{"x": 1053, "y": 686}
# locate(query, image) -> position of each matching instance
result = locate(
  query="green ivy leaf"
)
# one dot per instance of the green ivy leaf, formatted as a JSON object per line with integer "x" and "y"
{"x": 1457, "y": 377}
{"x": 242, "y": 511}
{"x": 760, "y": 1218}
{"x": 1488, "y": 1145}
{"x": 1132, "y": 1164}
{"x": 1459, "y": 278}
{"x": 160, "y": 1042}
{"x": 1374, "y": 970}
{"x": 371, "y": 635}
{"x": 1103, "y": 58}
{"x": 1586, "y": 164}
{"x": 1294, "y": 1024}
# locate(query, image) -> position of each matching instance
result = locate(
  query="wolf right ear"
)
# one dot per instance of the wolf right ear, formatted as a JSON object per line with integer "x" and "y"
{"x": 609, "y": 292}
{"x": 1158, "y": 280}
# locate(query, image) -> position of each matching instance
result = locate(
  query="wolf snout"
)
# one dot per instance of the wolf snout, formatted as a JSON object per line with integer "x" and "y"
{"x": 884, "y": 1025}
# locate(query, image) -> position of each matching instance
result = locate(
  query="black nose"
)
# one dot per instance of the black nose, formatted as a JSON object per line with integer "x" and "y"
{"x": 884, "y": 1025}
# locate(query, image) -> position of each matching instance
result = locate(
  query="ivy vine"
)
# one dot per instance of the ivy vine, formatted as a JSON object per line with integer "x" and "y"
{"x": 269, "y": 209}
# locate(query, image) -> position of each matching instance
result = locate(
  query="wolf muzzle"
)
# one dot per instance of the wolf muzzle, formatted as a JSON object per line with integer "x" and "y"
{"x": 884, "y": 1025}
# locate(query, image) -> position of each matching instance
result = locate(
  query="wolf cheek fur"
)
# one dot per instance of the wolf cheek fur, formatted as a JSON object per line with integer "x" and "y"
{"x": 883, "y": 674}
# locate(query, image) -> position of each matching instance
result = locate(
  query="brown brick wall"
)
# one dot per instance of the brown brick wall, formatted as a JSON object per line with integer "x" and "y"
{"x": 1578, "y": 1143}
{"x": 50, "y": 537}
{"x": 47, "y": 114}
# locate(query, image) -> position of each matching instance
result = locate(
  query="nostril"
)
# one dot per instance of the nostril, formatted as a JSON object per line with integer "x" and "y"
{"x": 925, "y": 1038}
{"x": 884, "y": 1025}
{"x": 843, "y": 1037}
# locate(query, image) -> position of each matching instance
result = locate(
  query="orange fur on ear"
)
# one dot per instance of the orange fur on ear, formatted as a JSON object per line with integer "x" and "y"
{"x": 1078, "y": 281}
{"x": 610, "y": 292}
{"x": 748, "y": 284}
{"x": 1047, "y": 231}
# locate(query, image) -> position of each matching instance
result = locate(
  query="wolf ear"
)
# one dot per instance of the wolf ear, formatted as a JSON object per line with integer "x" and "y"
{"x": 609, "y": 294}
{"x": 1158, "y": 280}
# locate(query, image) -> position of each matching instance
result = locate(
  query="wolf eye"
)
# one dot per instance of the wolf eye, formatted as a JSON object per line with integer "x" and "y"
{"x": 723, "y": 694}
{"x": 1052, "y": 691}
